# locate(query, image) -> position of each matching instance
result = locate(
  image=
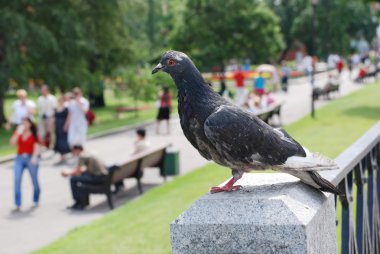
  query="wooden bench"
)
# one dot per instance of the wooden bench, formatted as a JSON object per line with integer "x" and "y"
{"x": 267, "y": 113}
{"x": 132, "y": 168}
{"x": 124, "y": 109}
{"x": 326, "y": 91}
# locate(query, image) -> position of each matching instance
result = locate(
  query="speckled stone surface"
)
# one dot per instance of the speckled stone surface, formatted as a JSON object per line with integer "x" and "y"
{"x": 273, "y": 213}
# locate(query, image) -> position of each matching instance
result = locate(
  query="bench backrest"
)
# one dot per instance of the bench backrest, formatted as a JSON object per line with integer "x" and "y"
{"x": 270, "y": 109}
{"x": 154, "y": 159}
{"x": 150, "y": 158}
{"x": 125, "y": 170}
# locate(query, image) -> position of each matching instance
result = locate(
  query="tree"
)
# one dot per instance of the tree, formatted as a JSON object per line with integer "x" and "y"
{"x": 150, "y": 24}
{"x": 108, "y": 43}
{"x": 213, "y": 32}
{"x": 140, "y": 84}
{"x": 287, "y": 11}
{"x": 64, "y": 43}
{"x": 338, "y": 21}
{"x": 20, "y": 40}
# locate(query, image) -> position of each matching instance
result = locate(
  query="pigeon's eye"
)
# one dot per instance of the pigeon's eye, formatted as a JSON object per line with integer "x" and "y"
{"x": 171, "y": 62}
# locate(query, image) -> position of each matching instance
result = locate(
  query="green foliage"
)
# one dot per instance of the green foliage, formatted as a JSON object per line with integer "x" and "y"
{"x": 63, "y": 43}
{"x": 150, "y": 24}
{"x": 140, "y": 84}
{"x": 213, "y": 32}
{"x": 337, "y": 21}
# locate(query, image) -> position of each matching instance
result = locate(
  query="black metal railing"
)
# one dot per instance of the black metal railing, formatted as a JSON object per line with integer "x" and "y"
{"x": 359, "y": 176}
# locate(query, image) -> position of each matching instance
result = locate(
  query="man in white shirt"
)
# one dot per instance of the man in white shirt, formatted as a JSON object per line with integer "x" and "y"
{"x": 46, "y": 103}
{"x": 76, "y": 123}
{"x": 21, "y": 108}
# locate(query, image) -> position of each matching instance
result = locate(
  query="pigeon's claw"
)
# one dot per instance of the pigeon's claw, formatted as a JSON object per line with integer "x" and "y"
{"x": 224, "y": 189}
{"x": 229, "y": 186}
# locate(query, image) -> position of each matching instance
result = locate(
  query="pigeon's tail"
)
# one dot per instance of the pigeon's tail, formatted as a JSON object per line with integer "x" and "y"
{"x": 306, "y": 169}
{"x": 315, "y": 180}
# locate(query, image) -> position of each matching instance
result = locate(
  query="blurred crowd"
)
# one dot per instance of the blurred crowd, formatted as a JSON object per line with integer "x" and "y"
{"x": 254, "y": 99}
{"x": 62, "y": 122}
{"x": 270, "y": 78}
{"x": 60, "y": 125}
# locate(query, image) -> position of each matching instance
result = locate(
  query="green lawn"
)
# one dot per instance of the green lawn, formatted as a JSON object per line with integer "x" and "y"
{"x": 142, "y": 226}
{"x": 105, "y": 117}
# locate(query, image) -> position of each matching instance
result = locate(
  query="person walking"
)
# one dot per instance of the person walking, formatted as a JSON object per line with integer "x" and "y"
{"x": 76, "y": 124}
{"x": 46, "y": 104}
{"x": 259, "y": 86}
{"x": 223, "y": 86}
{"x": 241, "y": 94}
{"x": 26, "y": 140}
{"x": 285, "y": 70}
{"x": 61, "y": 144}
{"x": 165, "y": 100}
{"x": 21, "y": 108}
{"x": 339, "y": 65}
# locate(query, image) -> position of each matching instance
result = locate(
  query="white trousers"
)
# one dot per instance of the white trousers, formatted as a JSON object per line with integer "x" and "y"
{"x": 77, "y": 134}
{"x": 241, "y": 96}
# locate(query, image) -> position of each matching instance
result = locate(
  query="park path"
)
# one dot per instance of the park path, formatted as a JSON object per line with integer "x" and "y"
{"x": 31, "y": 228}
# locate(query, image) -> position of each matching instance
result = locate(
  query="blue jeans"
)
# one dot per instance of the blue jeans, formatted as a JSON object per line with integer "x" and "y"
{"x": 22, "y": 162}
{"x": 80, "y": 195}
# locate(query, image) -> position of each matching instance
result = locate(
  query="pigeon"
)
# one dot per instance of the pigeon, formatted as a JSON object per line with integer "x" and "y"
{"x": 234, "y": 137}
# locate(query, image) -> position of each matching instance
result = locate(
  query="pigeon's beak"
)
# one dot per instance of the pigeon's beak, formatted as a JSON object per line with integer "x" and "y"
{"x": 157, "y": 68}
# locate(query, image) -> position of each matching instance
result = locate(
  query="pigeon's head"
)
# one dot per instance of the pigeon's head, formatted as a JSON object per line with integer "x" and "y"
{"x": 173, "y": 62}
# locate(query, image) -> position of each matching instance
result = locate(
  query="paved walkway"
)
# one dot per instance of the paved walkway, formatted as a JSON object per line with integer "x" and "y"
{"x": 31, "y": 228}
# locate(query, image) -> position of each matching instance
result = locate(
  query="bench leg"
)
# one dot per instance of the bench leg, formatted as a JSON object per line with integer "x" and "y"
{"x": 139, "y": 186}
{"x": 109, "y": 200}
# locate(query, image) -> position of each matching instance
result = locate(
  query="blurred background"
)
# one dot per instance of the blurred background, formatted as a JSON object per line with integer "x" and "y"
{"x": 308, "y": 53}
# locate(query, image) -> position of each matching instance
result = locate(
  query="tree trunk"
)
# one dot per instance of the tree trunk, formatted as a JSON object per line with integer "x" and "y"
{"x": 3, "y": 81}
{"x": 136, "y": 106}
{"x": 97, "y": 100}
{"x": 151, "y": 31}
{"x": 3, "y": 119}
{"x": 96, "y": 93}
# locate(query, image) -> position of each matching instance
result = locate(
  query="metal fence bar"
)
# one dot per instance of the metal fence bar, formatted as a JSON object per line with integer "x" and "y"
{"x": 351, "y": 157}
{"x": 370, "y": 169}
{"x": 349, "y": 243}
{"x": 376, "y": 202}
{"x": 367, "y": 243}
{"x": 359, "y": 208}
{"x": 345, "y": 227}
{"x": 360, "y": 162}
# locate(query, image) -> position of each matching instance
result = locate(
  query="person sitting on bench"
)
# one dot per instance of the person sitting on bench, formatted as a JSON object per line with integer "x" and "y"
{"x": 141, "y": 144}
{"x": 90, "y": 170}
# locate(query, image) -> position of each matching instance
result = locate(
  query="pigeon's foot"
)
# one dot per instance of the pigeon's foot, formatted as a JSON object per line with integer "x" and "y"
{"x": 224, "y": 189}
{"x": 229, "y": 186}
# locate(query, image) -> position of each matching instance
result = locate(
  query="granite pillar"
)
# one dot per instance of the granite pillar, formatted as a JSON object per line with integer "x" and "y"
{"x": 272, "y": 213}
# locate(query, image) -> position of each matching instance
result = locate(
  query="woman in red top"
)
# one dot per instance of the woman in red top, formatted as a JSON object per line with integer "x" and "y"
{"x": 164, "y": 109}
{"x": 25, "y": 138}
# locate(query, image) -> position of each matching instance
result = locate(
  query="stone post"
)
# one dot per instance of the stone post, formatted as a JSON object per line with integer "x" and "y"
{"x": 273, "y": 213}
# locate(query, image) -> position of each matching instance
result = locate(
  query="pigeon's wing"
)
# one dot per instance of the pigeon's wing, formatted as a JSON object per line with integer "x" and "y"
{"x": 240, "y": 135}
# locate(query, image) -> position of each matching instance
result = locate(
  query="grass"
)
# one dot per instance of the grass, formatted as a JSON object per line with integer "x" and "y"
{"x": 105, "y": 117}
{"x": 142, "y": 226}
